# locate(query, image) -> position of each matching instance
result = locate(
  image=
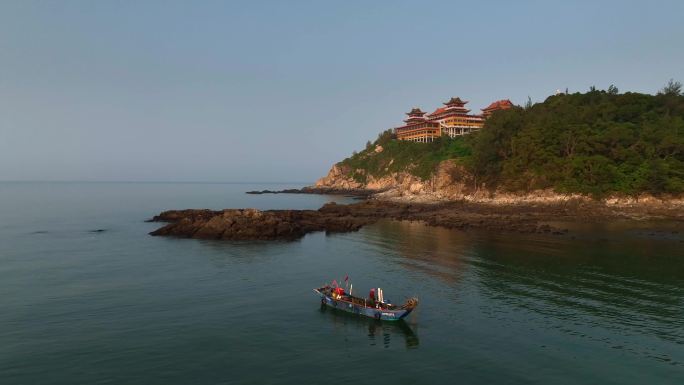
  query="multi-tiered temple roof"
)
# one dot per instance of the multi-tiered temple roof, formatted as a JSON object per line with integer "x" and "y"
{"x": 416, "y": 115}
{"x": 455, "y": 102}
{"x": 451, "y": 120}
{"x": 455, "y": 106}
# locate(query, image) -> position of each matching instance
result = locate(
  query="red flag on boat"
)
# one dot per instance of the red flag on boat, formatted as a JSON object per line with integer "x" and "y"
{"x": 346, "y": 278}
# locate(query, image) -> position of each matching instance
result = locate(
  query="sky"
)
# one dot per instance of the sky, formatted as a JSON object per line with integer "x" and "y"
{"x": 278, "y": 91}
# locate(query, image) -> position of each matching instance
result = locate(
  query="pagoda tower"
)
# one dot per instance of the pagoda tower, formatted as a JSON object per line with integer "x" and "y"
{"x": 456, "y": 105}
{"x": 454, "y": 119}
{"x": 418, "y": 128}
{"x": 415, "y": 116}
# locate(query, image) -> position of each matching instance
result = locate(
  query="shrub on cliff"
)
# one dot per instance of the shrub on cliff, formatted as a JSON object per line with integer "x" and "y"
{"x": 419, "y": 159}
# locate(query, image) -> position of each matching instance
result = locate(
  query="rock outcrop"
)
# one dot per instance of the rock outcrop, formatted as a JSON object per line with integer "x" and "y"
{"x": 451, "y": 182}
{"x": 338, "y": 178}
{"x": 252, "y": 224}
{"x": 534, "y": 217}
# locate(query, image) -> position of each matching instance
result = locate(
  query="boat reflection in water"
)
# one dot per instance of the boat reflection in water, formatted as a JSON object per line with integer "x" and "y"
{"x": 376, "y": 331}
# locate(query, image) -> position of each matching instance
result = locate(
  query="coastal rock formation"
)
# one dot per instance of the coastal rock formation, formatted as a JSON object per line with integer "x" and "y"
{"x": 532, "y": 217}
{"x": 252, "y": 224}
{"x": 451, "y": 182}
{"x": 338, "y": 178}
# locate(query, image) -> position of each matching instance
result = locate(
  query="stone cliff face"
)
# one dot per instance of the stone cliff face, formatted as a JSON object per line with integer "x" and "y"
{"x": 451, "y": 182}
{"x": 338, "y": 178}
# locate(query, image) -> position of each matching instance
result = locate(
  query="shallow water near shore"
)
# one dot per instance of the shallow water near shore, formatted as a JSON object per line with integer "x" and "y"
{"x": 86, "y": 296}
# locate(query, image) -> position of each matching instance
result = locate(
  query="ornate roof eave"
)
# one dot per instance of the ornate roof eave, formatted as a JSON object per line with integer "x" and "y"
{"x": 415, "y": 111}
{"x": 455, "y": 100}
{"x": 450, "y": 112}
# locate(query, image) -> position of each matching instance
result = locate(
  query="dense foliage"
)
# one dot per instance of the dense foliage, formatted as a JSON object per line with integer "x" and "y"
{"x": 419, "y": 159}
{"x": 597, "y": 143}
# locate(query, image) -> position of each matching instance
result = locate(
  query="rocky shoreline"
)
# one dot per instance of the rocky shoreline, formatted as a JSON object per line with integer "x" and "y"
{"x": 448, "y": 200}
{"x": 451, "y": 182}
{"x": 252, "y": 224}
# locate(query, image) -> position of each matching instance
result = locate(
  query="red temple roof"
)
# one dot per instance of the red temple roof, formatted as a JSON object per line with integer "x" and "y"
{"x": 456, "y": 101}
{"x": 415, "y": 111}
{"x": 446, "y": 110}
{"x": 439, "y": 111}
{"x": 499, "y": 105}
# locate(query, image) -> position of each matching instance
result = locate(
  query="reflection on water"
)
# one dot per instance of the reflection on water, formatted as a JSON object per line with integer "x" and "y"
{"x": 610, "y": 285}
{"x": 378, "y": 332}
{"x": 436, "y": 251}
{"x": 618, "y": 293}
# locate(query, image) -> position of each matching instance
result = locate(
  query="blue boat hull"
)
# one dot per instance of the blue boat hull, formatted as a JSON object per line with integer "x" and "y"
{"x": 379, "y": 314}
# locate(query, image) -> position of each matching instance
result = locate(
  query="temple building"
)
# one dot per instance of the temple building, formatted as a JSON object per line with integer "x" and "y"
{"x": 452, "y": 120}
{"x": 418, "y": 128}
{"x": 503, "y": 104}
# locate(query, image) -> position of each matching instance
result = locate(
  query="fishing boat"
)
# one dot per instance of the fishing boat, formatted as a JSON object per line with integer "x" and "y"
{"x": 374, "y": 306}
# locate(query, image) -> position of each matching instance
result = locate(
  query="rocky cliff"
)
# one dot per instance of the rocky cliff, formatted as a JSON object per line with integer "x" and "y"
{"x": 451, "y": 182}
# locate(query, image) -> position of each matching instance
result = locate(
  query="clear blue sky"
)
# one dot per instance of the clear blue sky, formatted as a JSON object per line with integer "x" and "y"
{"x": 280, "y": 90}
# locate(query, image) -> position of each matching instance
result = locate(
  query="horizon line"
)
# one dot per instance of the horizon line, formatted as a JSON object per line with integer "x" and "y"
{"x": 151, "y": 181}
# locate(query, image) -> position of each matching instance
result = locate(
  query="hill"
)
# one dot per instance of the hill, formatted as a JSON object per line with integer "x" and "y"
{"x": 600, "y": 143}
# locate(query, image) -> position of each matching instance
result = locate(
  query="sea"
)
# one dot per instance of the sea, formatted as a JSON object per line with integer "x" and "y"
{"x": 88, "y": 297}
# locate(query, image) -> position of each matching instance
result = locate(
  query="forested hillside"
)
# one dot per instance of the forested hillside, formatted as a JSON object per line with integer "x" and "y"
{"x": 598, "y": 142}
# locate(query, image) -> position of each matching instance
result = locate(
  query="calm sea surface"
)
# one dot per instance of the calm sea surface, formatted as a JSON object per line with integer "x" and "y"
{"x": 81, "y": 306}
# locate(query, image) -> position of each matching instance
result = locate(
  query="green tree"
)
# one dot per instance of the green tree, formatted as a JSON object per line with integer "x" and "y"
{"x": 673, "y": 88}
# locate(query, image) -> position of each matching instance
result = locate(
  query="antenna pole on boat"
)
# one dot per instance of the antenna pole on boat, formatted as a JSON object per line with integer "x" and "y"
{"x": 351, "y": 287}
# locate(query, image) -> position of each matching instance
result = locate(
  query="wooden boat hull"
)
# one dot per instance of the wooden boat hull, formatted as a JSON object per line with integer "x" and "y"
{"x": 379, "y": 314}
